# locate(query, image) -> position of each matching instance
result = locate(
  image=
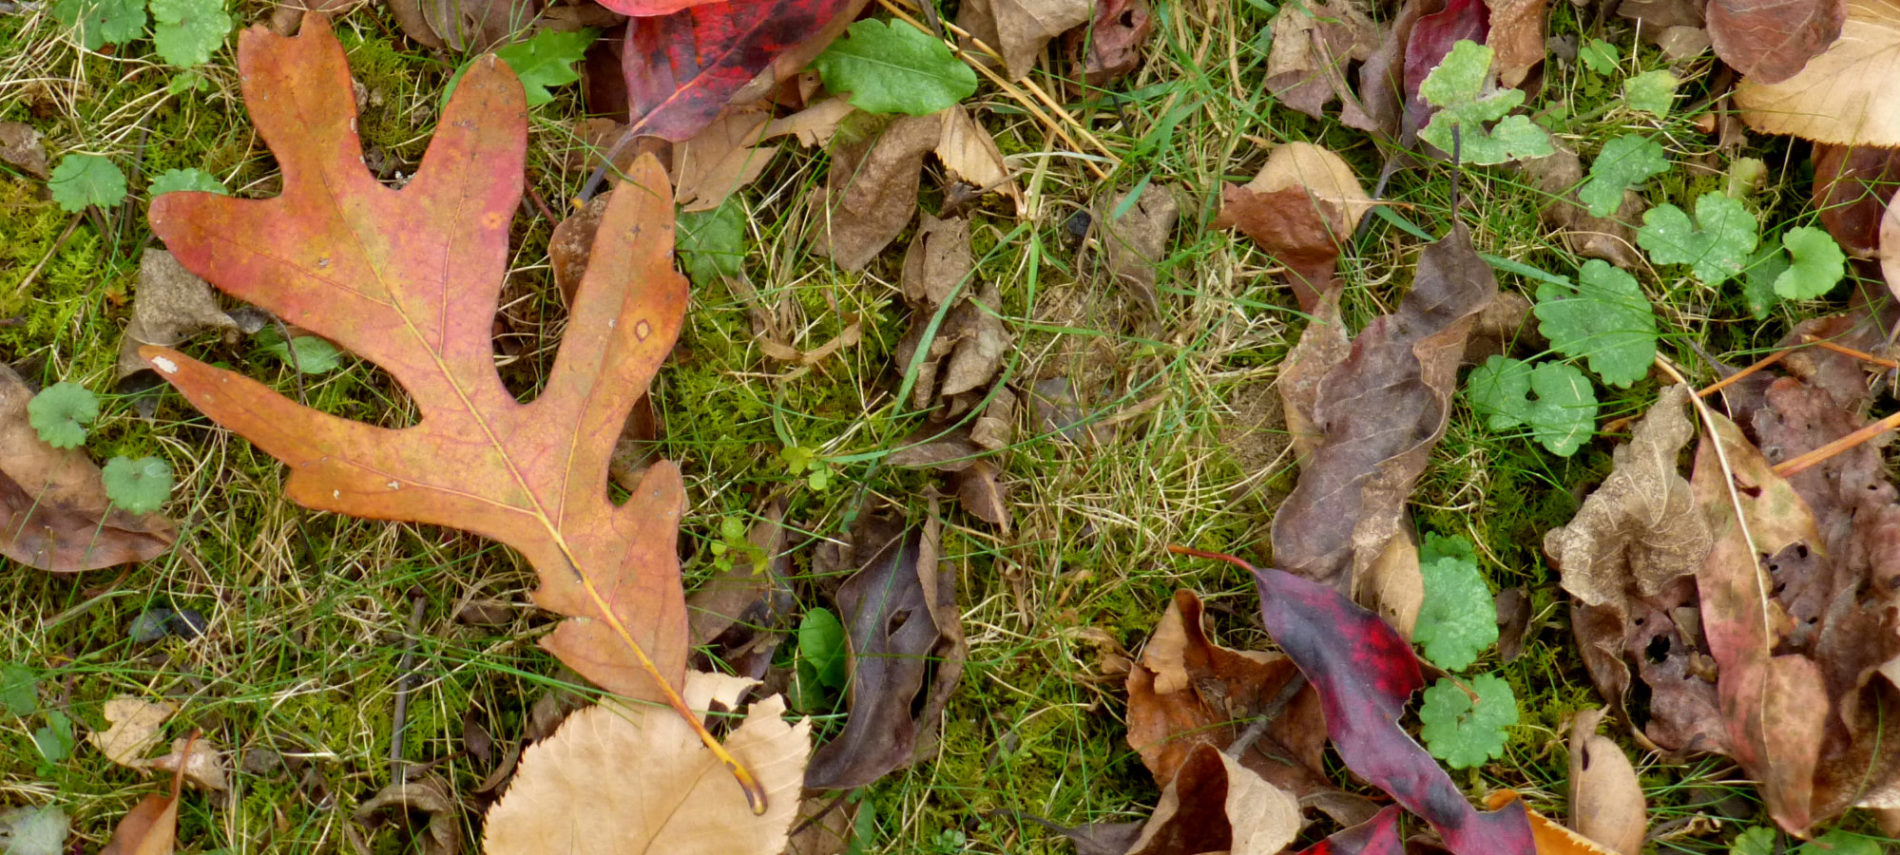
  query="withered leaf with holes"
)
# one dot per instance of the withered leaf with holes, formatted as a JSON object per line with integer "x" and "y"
{"x": 901, "y": 621}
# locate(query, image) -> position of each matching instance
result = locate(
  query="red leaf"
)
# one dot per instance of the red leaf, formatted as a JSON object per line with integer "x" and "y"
{"x": 1364, "y": 672}
{"x": 650, "y": 8}
{"x": 1770, "y": 40}
{"x": 683, "y": 68}
{"x": 1376, "y": 836}
{"x": 1431, "y": 39}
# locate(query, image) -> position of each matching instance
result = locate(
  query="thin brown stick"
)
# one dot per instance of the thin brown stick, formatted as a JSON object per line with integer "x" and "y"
{"x": 1717, "y": 386}
{"x": 403, "y": 681}
{"x": 1803, "y": 462}
{"x": 1844, "y": 350}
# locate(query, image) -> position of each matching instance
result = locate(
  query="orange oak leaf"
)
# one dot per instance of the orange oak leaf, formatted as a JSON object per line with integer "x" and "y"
{"x": 409, "y": 279}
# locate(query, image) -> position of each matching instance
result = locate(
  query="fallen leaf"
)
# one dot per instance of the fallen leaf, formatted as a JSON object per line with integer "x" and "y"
{"x": 1841, "y": 96}
{"x": 1606, "y": 799}
{"x": 134, "y": 730}
{"x": 1323, "y": 345}
{"x": 201, "y": 762}
{"x": 935, "y": 448}
{"x": 612, "y": 569}
{"x": 1890, "y": 246}
{"x": 825, "y": 822}
{"x": 1853, "y": 185}
{"x": 1381, "y": 410}
{"x": 650, "y": 8}
{"x": 394, "y": 804}
{"x": 970, "y": 154}
{"x": 1117, "y": 32}
{"x": 1427, "y": 44}
{"x": 1302, "y": 207}
{"x": 20, "y": 146}
{"x": 898, "y": 626}
{"x": 1214, "y": 804}
{"x": 53, "y": 509}
{"x": 1517, "y": 34}
{"x": 1187, "y": 691}
{"x": 1020, "y": 30}
{"x": 980, "y": 494}
{"x": 169, "y": 305}
{"x": 993, "y": 428}
{"x": 683, "y": 69}
{"x": 1770, "y": 40}
{"x": 1514, "y": 615}
{"x": 852, "y": 333}
{"x": 871, "y": 190}
{"x": 815, "y": 125}
{"x": 1378, "y": 835}
{"x": 1552, "y": 839}
{"x": 473, "y": 26}
{"x": 744, "y": 596}
{"x": 43, "y": 830}
{"x": 723, "y": 158}
{"x": 576, "y": 791}
{"x": 151, "y": 827}
{"x": 1306, "y": 66}
{"x": 963, "y": 355}
{"x": 1135, "y": 243}
{"x": 1364, "y": 673}
{"x": 938, "y": 260}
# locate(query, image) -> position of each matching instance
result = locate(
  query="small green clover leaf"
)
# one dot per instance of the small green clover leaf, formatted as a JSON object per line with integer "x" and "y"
{"x": 1624, "y": 162}
{"x": 1818, "y": 264}
{"x": 139, "y": 486}
{"x": 55, "y": 739}
{"x": 1462, "y": 732}
{"x": 1458, "y": 618}
{"x": 1606, "y": 320}
{"x": 893, "y": 67}
{"x": 177, "y": 180}
{"x": 1457, "y": 88}
{"x": 1651, "y": 92}
{"x": 102, "y": 22}
{"x": 86, "y": 179}
{"x": 60, "y": 413}
{"x": 1759, "y": 840}
{"x": 1438, "y": 546}
{"x": 1562, "y": 416}
{"x": 1599, "y": 56}
{"x": 712, "y": 243}
{"x": 19, "y": 689}
{"x": 1714, "y": 247}
{"x": 185, "y": 32}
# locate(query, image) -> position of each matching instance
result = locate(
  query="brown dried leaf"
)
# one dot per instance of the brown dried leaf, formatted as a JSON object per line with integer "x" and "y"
{"x": 203, "y": 764}
{"x": 729, "y": 597}
{"x": 825, "y": 821}
{"x": 1852, "y": 187}
{"x": 970, "y": 154}
{"x": 20, "y": 146}
{"x": 393, "y": 804}
{"x": 170, "y": 304}
{"x": 1606, "y": 799}
{"x": 1381, "y": 410}
{"x": 815, "y": 125}
{"x": 1301, "y": 208}
{"x": 53, "y": 509}
{"x": 1322, "y": 345}
{"x": 852, "y": 333}
{"x": 981, "y": 495}
{"x": 1843, "y": 95}
{"x": 871, "y": 190}
{"x": 1609, "y": 238}
{"x": 1517, "y": 34}
{"x": 934, "y": 448}
{"x": 1134, "y": 244}
{"x": 980, "y": 339}
{"x": 1890, "y": 247}
{"x": 150, "y": 828}
{"x": 1188, "y": 691}
{"x": 1020, "y": 30}
{"x": 1312, "y": 45}
{"x": 1214, "y": 804}
{"x": 579, "y": 792}
{"x": 1771, "y": 40}
{"x": 134, "y": 729}
{"x": 938, "y": 260}
{"x": 1113, "y": 41}
{"x": 1514, "y": 616}
{"x": 900, "y": 617}
{"x": 473, "y": 26}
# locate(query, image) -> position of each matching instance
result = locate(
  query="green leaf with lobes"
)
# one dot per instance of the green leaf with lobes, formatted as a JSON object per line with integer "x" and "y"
{"x": 83, "y": 180}
{"x": 179, "y": 180}
{"x": 1457, "y": 87}
{"x": 1465, "y": 731}
{"x": 893, "y": 67}
{"x": 60, "y": 413}
{"x": 139, "y": 486}
{"x": 1605, "y": 320}
{"x": 1818, "y": 264}
{"x": 1561, "y": 417}
{"x": 102, "y": 22}
{"x": 1458, "y": 618}
{"x": 541, "y": 62}
{"x": 1625, "y": 162}
{"x": 1714, "y": 246}
{"x": 186, "y": 32}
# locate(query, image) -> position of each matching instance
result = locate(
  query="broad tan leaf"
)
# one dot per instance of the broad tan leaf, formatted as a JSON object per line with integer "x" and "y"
{"x": 1606, "y": 799}
{"x": 628, "y": 777}
{"x": 1843, "y": 96}
{"x": 134, "y": 730}
{"x": 1215, "y": 804}
{"x": 1021, "y": 29}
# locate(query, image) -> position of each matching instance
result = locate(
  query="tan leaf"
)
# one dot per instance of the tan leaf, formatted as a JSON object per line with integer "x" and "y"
{"x": 1890, "y": 247}
{"x": 1307, "y": 63}
{"x": 1325, "y": 176}
{"x": 938, "y": 260}
{"x": 1517, "y": 34}
{"x": 203, "y": 765}
{"x": 428, "y": 796}
{"x": 1134, "y": 244}
{"x": 134, "y": 730}
{"x": 721, "y": 159}
{"x": 814, "y": 125}
{"x": 980, "y": 494}
{"x": 1301, "y": 209}
{"x": 1844, "y": 95}
{"x": 1021, "y": 29}
{"x": 620, "y": 778}
{"x": 970, "y": 153}
{"x": 170, "y": 304}
{"x": 1213, "y": 800}
{"x": 1606, "y": 799}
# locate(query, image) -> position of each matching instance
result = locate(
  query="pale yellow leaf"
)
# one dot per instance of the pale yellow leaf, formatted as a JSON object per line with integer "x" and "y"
{"x": 135, "y": 724}
{"x": 620, "y": 778}
{"x": 1845, "y": 95}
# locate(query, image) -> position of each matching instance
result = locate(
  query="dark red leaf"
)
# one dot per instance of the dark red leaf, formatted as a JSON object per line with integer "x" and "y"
{"x": 683, "y": 68}
{"x": 1364, "y": 673}
{"x": 1851, "y": 187}
{"x": 1376, "y": 836}
{"x": 1431, "y": 39}
{"x": 1770, "y": 40}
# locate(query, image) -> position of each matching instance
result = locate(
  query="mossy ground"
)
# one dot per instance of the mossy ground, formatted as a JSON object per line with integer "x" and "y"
{"x": 307, "y": 612}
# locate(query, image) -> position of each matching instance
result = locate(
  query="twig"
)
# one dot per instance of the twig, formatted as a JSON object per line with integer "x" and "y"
{"x": 1844, "y": 350}
{"x": 50, "y": 252}
{"x": 1267, "y": 716}
{"x": 1717, "y": 386}
{"x": 404, "y": 680}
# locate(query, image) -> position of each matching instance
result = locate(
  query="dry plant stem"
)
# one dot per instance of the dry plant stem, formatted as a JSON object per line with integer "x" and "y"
{"x": 404, "y": 680}
{"x": 1844, "y": 350}
{"x": 1178, "y": 549}
{"x": 1267, "y": 714}
{"x": 1619, "y": 424}
{"x": 1803, "y": 462}
{"x": 50, "y": 252}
